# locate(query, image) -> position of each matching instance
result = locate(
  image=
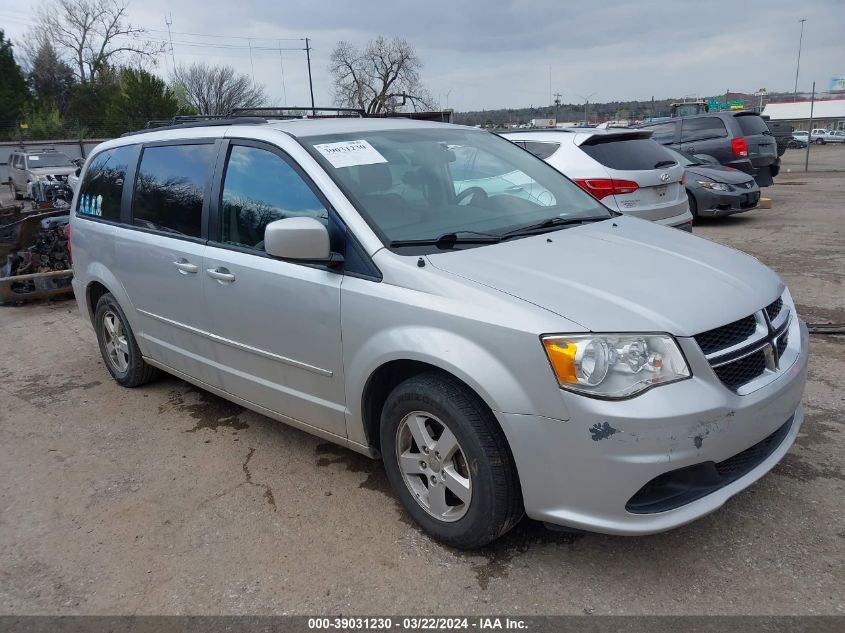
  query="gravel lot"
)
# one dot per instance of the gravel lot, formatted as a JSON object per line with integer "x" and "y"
{"x": 166, "y": 499}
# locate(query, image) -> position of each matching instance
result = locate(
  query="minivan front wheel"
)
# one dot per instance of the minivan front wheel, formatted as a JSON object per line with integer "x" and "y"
{"x": 118, "y": 345}
{"x": 448, "y": 461}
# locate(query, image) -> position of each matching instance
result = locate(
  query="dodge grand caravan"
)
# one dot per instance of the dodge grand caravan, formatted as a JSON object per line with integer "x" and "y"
{"x": 504, "y": 351}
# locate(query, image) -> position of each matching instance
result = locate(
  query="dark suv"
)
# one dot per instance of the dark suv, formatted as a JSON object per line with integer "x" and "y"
{"x": 736, "y": 139}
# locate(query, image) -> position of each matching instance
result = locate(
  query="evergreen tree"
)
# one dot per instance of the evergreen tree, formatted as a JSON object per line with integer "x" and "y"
{"x": 14, "y": 95}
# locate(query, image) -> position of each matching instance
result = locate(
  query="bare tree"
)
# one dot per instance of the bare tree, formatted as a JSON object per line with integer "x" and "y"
{"x": 216, "y": 89}
{"x": 382, "y": 77}
{"x": 93, "y": 34}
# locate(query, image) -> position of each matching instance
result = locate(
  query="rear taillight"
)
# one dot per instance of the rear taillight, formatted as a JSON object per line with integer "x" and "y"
{"x": 739, "y": 147}
{"x": 602, "y": 187}
{"x": 67, "y": 234}
{"x": 683, "y": 179}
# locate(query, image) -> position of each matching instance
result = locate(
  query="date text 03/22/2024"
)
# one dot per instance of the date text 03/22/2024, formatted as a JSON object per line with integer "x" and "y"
{"x": 416, "y": 623}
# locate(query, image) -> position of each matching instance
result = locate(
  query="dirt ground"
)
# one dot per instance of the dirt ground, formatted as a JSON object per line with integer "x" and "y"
{"x": 165, "y": 499}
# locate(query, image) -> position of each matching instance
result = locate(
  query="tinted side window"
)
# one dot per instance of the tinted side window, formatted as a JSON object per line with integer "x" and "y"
{"x": 662, "y": 132}
{"x": 170, "y": 187}
{"x": 633, "y": 153}
{"x": 541, "y": 150}
{"x": 102, "y": 185}
{"x": 260, "y": 187}
{"x": 703, "y": 128}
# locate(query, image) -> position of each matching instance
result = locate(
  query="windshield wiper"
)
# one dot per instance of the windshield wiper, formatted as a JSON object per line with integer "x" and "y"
{"x": 664, "y": 163}
{"x": 548, "y": 223}
{"x": 448, "y": 240}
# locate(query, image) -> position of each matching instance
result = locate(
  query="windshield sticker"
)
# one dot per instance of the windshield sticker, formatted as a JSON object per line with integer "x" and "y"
{"x": 350, "y": 153}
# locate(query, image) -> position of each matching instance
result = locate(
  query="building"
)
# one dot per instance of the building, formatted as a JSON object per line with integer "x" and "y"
{"x": 827, "y": 113}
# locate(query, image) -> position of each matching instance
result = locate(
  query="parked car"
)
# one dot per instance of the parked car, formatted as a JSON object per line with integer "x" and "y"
{"x": 738, "y": 139}
{"x": 715, "y": 190}
{"x": 625, "y": 170}
{"x": 500, "y": 354}
{"x": 781, "y": 131}
{"x": 27, "y": 167}
{"x": 799, "y": 139}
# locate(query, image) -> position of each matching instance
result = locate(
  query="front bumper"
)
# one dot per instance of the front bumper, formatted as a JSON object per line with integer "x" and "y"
{"x": 720, "y": 203}
{"x": 583, "y": 472}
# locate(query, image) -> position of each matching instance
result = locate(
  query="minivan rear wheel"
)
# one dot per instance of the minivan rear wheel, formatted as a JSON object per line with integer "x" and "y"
{"x": 448, "y": 461}
{"x": 118, "y": 346}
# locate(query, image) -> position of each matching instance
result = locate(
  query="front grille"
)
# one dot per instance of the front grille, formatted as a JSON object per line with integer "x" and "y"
{"x": 739, "y": 372}
{"x": 782, "y": 342}
{"x": 727, "y": 335}
{"x": 773, "y": 309}
{"x": 682, "y": 486}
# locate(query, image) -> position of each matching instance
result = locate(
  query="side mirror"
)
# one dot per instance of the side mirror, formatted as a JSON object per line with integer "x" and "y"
{"x": 302, "y": 238}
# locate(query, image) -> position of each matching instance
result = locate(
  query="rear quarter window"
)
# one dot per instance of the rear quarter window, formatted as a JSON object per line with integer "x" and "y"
{"x": 752, "y": 124}
{"x": 541, "y": 149}
{"x": 170, "y": 188}
{"x": 102, "y": 186}
{"x": 628, "y": 154}
{"x": 702, "y": 128}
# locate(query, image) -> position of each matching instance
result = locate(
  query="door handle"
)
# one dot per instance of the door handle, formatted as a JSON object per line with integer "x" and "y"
{"x": 185, "y": 267}
{"x": 220, "y": 274}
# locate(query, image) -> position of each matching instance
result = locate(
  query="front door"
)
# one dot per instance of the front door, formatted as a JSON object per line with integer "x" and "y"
{"x": 275, "y": 324}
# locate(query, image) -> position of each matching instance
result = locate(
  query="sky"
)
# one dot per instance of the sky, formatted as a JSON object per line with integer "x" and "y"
{"x": 487, "y": 54}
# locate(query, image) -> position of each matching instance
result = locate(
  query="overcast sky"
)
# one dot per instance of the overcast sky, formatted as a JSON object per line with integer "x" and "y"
{"x": 488, "y": 54}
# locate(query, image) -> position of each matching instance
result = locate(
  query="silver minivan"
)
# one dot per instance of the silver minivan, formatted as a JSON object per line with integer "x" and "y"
{"x": 505, "y": 350}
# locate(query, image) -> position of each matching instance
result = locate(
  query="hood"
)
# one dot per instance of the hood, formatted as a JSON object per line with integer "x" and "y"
{"x": 717, "y": 173}
{"x": 623, "y": 275}
{"x": 54, "y": 171}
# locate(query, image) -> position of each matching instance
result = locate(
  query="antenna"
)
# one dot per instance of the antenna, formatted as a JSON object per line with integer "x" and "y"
{"x": 168, "y": 20}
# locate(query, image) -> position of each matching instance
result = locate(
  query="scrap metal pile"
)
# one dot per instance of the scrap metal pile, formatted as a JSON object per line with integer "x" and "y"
{"x": 34, "y": 255}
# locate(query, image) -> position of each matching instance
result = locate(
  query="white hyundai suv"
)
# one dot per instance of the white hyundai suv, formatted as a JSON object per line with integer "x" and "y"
{"x": 625, "y": 170}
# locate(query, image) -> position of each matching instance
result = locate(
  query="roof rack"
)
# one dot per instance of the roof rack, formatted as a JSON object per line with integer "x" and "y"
{"x": 181, "y": 122}
{"x": 295, "y": 112}
{"x": 245, "y": 116}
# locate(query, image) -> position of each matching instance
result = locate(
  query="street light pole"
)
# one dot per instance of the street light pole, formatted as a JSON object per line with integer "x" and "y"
{"x": 798, "y": 65}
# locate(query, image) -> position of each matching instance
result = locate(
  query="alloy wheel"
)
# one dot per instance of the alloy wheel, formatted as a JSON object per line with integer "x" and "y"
{"x": 115, "y": 342}
{"x": 433, "y": 466}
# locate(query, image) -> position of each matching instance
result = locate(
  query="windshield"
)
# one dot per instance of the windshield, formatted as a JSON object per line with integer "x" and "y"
{"x": 53, "y": 159}
{"x": 423, "y": 183}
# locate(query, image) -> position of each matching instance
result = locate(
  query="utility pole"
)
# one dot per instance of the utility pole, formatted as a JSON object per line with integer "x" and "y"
{"x": 810, "y": 132}
{"x": 310, "y": 81}
{"x": 557, "y": 107}
{"x": 282, "y": 66}
{"x": 798, "y": 65}
{"x": 168, "y": 20}
{"x": 251, "y": 65}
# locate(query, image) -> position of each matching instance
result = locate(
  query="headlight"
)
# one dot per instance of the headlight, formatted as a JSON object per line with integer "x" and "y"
{"x": 717, "y": 186}
{"x": 614, "y": 365}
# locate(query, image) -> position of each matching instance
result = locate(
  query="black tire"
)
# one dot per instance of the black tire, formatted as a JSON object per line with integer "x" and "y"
{"x": 693, "y": 207}
{"x": 15, "y": 194}
{"x": 137, "y": 372}
{"x": 819, "y": 141}
{"x": 496, "y": 502}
